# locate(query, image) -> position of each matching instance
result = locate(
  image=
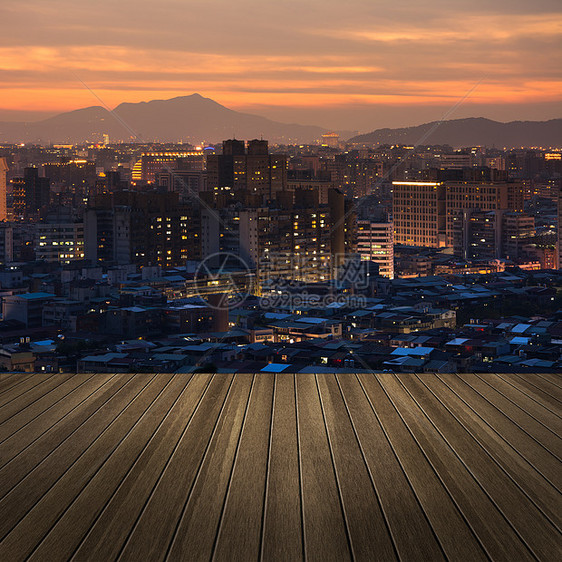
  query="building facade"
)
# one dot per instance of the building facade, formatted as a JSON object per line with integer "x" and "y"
{"x": 250, "y": 168}
{"x": 141, "y": 228}
{"x": 375, "y": 242}
{"x": 491, "y": 234}
{"x": 3, "y": 189}
{"x": 60, "y": 242}
{"x": 30, "y": 194}
{"x": 418, "y": 211}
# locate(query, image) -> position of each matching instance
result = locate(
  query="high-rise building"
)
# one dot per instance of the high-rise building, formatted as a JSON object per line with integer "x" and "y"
{"x": 483, "y": 196}
{"x": 491, "y": 234}
{"x": 293, "y": 238}
{"x": 152, "y": 163}
{"x": 60, "y": 242}
{"x": 477, "y": 234}
{"x": 354, "y": 176}
{"x": 331, "y": 139}
{"x": 424, "y": 212}
{"x": 289, "y": 243}
{"x": 516, "y": 230}
{"x": 109, "y": 182}
{"x": 77, "y": 173}
{"x": 418, "y": 211}
{"x": 188, "y": 183}
{"x": 306, "y": 179}
{"x": 375, "y": 243}
{"x": 3, "y": 189}
{"x": 30, "y": 194}
{"x": 456, "y": 161}
{"x": 559, "y": 242}
{"x": 141, "y": 228}
{"x": 6, "y": 243}
{"x": 254, "y": 169}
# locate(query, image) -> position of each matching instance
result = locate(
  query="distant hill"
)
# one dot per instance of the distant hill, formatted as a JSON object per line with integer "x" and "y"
{"x": 475, "y": 131}
{"x": 191, "y": 118}
{"x": 195, "y": 118}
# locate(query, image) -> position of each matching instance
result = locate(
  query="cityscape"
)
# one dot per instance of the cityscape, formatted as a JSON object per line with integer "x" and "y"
{"x": 240, "y": 256}
{"x": 280, "y": 281}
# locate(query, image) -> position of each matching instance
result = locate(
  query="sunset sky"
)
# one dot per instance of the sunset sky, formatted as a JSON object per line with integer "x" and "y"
{"x": 359, "y": 64}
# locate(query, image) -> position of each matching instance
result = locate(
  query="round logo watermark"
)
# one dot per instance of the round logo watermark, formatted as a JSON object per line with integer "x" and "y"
{"x": 224, "y": 280}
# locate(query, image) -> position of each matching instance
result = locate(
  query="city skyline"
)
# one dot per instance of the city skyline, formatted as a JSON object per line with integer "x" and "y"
{"x": 361, "y": 67}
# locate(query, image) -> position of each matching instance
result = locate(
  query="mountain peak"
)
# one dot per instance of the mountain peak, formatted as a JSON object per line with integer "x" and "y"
{"x": 193, "y": 118}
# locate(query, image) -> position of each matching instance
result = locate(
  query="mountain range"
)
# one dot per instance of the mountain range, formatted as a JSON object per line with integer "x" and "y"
{"x": 196, "y": 119}
{"x": 474, "y": 131}
{"x": 191, "y": 118}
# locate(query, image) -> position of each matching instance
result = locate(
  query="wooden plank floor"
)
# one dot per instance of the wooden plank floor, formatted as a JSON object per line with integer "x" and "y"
{"x": 280, "y": 467}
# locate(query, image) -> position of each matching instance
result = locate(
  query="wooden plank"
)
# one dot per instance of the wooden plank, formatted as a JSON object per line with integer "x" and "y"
{"x": 196, "y": 530}
{"x": 487, "y": 522}
{"x": 539, "y": 389}
{"x": 50, "y": 404}
{"x": 550, "y": 384}
{"x": 108, "y": 532}
{"x": 9, "y": 378}
{"x": 325, "y": 534}
{"x": 537, "y": 457}
{"x": 525, "y": 402}
{"x": 373, "y": 467}
{"x": 367, "y": 524}
{"x": 22, "y": 383}
{"x": 533, "y": 427}
{"x": 282, "y": 533}
{"x": 413, "y": 535}
{"x": 553, "y": 378}
{"x": 20, "y": 397}
{"x": 81, "y": 455}
{"x": 25, "y": 434}
{"x": 504, "y": 452}
{"x": 20, "y": 463}
{"x": 527, "y": 520}
{"x": 453, "y": 532}
{"x": 154, "y": 529}
{"x": 64, "y": 537}
{"x": 36, "y": 401}
{"x": 240, "y": 526}
{"x": 9, "y": 381}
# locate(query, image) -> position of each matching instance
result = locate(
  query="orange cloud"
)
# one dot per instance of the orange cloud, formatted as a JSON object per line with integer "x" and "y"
{"x": 480, "y": 27}
{"x": 374, "y": 64}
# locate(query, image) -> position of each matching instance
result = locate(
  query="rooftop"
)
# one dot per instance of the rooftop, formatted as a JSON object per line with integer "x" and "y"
{"x": 277, "y": 466}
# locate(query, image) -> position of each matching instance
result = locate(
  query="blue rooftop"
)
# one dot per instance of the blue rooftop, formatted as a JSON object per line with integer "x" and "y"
{"x": 33, "y": 296}
{"x": 275, "y": 368}
{"x": 412, "y": 351}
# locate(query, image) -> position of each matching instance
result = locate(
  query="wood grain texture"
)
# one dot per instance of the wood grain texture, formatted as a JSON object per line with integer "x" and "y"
{"x": 280, "y": 467}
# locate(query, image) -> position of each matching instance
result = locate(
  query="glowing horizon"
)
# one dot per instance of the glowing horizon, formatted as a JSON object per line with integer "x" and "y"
{"x": 274, "y": 58}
